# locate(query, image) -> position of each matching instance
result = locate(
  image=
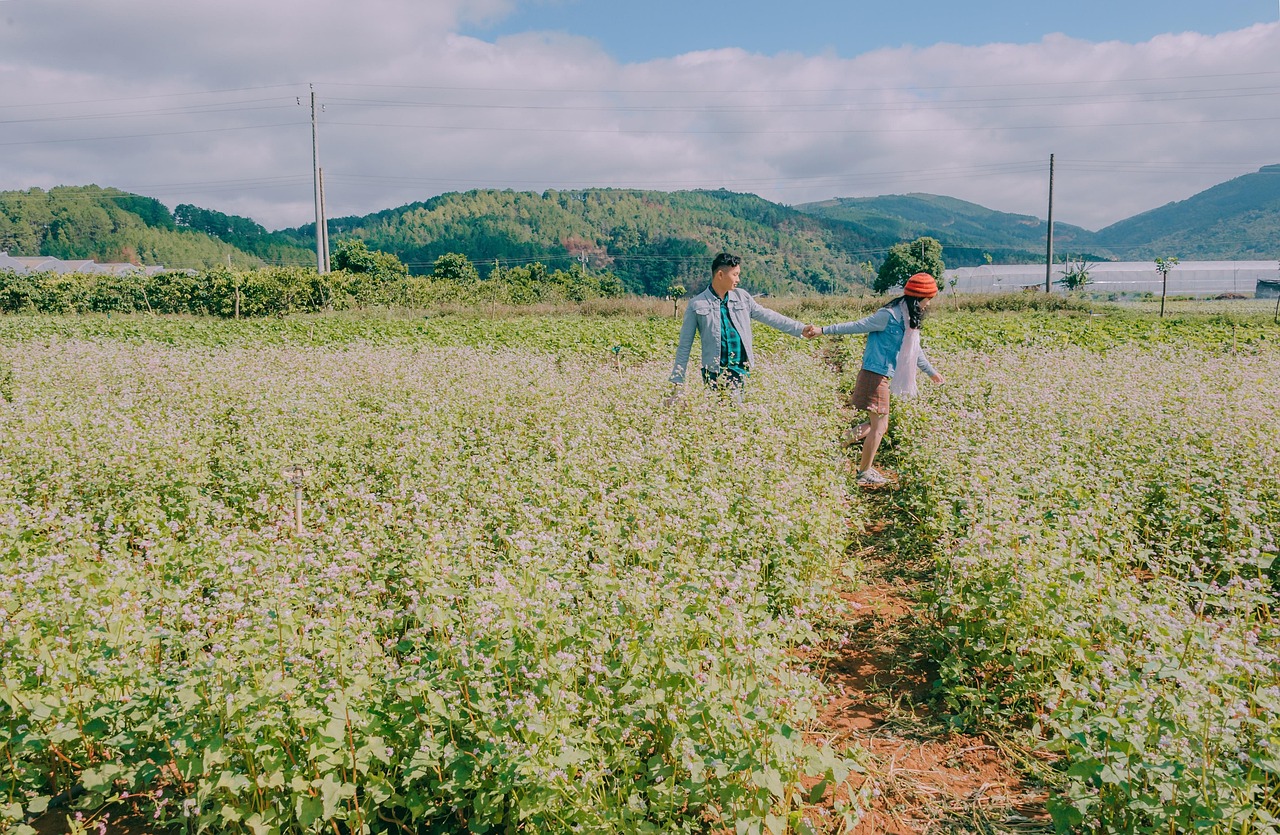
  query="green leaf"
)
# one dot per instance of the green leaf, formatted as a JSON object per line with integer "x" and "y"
{"x": 308, "y": 810}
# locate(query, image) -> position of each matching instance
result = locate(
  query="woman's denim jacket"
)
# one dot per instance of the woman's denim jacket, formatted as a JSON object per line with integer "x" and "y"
{"x": 885, "y": 330}
{"x": 702, "y": 316}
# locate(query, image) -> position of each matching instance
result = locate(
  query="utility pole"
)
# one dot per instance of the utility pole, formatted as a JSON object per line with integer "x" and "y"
{"x": 1163, "y": 266}
{"x": 324, "y": 223}
{"x": 1048, "y": 255}
{"x": 322, "y": 244}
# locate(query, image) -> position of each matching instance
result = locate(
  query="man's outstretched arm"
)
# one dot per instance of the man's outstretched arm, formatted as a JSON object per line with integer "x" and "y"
{"x": 776, "y": 320}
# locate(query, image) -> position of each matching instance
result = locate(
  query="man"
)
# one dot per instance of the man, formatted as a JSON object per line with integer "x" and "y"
{"x": 721, "y": 315}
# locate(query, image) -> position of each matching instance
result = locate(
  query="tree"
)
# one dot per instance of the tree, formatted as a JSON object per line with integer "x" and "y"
{"x": 676, "y": 291}
{"x": 1163, "y": 266}
{"x": 455, "y": 267}
{"x": 354, "y": 256}
{"x": 923, "y": 255}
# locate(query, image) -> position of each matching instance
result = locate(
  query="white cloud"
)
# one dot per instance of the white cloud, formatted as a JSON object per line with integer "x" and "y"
{"x": 412, "y": 109}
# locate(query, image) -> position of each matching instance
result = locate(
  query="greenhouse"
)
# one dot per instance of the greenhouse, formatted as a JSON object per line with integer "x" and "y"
{"x": 1200, "y": 278}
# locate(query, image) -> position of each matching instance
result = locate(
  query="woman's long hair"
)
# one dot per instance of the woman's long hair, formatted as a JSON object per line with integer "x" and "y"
{"x": 915, "y": 314}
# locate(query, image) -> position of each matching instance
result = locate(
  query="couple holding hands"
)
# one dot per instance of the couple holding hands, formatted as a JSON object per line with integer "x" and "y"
{"x": 721, "y": 315}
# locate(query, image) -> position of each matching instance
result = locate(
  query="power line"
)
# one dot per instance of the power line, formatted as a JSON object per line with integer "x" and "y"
{"x": 809, "y": 131}
{"x": 1078, "y": 100}
{"x": 148, "y": 135}
{"x": 789, "y": 91}
{"x": 148, "y": 113}
{"x": 153, "y": 96}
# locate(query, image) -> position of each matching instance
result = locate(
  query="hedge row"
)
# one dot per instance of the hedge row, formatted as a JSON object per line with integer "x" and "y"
{"x": 282, "y": 290}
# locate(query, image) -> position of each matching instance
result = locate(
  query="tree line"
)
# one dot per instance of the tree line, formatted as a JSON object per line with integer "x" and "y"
{"x": 361, "y": 278}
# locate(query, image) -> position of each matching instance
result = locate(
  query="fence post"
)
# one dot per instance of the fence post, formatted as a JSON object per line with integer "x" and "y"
{"x": 294, "y": 473}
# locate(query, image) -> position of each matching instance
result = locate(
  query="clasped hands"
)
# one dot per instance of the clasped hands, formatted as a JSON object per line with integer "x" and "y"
{"x": 811, "y": 331}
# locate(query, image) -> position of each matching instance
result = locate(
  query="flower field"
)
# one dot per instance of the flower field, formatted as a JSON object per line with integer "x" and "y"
{"x": 1106, "y": 525}
{"x": 525, "y": 595}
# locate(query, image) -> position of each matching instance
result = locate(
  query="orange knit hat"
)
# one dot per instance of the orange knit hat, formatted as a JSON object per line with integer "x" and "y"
{"x": 921, "y": 286}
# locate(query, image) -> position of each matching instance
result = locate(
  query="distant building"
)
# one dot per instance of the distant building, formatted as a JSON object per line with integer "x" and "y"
{"x": 44, "y": 264}
{"x": 1196, "y": 278}
{"x": 1268, "y": 290}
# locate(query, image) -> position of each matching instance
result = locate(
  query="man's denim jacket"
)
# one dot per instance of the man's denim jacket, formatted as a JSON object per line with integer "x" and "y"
{"x": 703, "y": 317}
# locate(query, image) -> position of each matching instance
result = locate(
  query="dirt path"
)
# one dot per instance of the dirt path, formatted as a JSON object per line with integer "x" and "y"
{"x": 921, "y": 777}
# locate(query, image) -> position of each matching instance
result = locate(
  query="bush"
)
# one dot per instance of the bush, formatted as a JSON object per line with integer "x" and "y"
{"x": 277, "y": 291}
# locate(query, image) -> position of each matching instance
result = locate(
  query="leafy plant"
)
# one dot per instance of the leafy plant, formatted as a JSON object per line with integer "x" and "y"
{"x": 1075, "y": 275}
{"x": 519, "y": 602}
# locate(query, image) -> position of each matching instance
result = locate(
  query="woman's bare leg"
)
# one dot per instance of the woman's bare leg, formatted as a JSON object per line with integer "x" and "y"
{"x": 879, "y": 424}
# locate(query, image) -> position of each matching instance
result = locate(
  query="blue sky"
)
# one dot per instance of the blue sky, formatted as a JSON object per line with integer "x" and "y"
{"x": 1141, "y": 103}
{"x": 633, "y": 31}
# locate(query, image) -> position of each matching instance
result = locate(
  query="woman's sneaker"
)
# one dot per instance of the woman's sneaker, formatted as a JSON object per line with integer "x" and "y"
{"x": 871, "y": 478}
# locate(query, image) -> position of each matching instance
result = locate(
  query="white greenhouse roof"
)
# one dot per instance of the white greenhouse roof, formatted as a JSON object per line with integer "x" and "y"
{"x": 1121, "y": 276}
{"x": 44, "y": 264}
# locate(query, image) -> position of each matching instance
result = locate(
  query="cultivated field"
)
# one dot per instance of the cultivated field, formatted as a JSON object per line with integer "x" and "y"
{"x": 526, "y": 596}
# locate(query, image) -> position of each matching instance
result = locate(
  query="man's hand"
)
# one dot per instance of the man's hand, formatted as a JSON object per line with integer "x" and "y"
{"x": 937, "y": 378}
{"x": 810, "y": 331}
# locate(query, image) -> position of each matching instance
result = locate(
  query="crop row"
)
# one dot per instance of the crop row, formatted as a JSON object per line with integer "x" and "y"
{"x": 1105, "y": 526}
{"x": 525, "y": 595}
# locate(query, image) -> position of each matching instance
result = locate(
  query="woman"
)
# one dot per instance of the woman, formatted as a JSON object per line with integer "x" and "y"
{"x": 893, "y": 345}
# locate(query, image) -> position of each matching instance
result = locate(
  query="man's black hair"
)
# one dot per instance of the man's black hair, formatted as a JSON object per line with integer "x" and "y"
{"x": 724, "y": 261}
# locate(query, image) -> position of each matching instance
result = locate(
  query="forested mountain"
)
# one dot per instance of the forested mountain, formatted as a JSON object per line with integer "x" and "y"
{"x": 247, "y": 235}
{"x": 967, "y": 231}
{"x": 109, "y": 225}
{"x": 648, "y": 238}
{"x": 1235, "y": 220}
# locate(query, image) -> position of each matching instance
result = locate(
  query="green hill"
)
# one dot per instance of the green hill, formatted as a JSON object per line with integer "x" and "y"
{"x": 1235, "y": 220}
{"x": 967, "y": 231}
{"x": 109, "y": 225}
{"x": 648, "y": 238}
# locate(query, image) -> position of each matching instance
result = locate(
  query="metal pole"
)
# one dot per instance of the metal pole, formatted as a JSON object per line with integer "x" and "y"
{"x": 315, "y": 172}
{"x": 1048, "y": 253}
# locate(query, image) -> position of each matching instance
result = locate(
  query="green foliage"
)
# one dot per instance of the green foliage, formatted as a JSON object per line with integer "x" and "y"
{"x": 366, "y": 279}
{"x": 149, "y": 210}
{"x": 244, "y": 234}
{"x": 455, "y": 267}
{"x": 354, "y": 256}
{"x": 646, "y": 238}
{"x": 971, "y": 234}
{"x": 1075, "y": 275}
{"x": 519, "y": 603}
{"x": 533, "y": 283}
{"x": 923, "y": 255}
{"x": 1238, "y": 219}
{"x": 111, "y": 226}
{"x": 1106, "y": 578}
